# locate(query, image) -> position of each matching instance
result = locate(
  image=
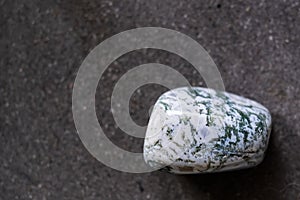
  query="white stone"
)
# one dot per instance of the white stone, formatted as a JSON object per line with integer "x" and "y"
{"x": 195, "y": 130}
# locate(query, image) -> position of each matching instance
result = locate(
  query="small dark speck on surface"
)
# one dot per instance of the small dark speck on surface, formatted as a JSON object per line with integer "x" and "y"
{"x": 255, "y": 45}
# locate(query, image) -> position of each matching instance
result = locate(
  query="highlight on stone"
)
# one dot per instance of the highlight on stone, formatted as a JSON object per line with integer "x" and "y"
{"x": 199, "y": 130}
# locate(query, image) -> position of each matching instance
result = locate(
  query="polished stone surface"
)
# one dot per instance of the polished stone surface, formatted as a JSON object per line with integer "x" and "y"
{"x": 196, "y": 130}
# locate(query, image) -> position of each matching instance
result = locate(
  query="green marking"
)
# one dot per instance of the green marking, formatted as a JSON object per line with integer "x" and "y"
{"x": 166, "y": 106}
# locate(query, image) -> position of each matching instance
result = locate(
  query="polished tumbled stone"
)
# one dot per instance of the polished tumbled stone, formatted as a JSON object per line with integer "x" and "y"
{"x": 195, "y": 130}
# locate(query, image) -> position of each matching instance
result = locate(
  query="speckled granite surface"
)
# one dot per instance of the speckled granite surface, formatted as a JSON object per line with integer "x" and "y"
{"x": 255, "y": 44}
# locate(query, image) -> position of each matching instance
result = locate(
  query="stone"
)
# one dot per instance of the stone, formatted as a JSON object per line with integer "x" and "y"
{"x": 199, "y": 130}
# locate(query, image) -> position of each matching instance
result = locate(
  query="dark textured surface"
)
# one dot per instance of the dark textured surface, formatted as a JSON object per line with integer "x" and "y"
{"x": 42, "y": 44}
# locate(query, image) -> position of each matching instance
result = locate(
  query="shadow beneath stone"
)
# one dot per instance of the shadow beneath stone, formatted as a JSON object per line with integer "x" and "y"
{"x": 269, "y": 180}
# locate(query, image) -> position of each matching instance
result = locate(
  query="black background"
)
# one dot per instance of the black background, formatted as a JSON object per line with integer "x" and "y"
{"x": 255, "y": 44}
